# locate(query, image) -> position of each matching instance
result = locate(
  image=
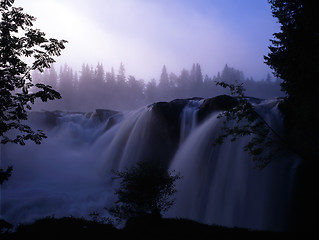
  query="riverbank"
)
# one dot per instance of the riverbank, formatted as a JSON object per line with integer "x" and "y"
{"x": 73, "y": 228}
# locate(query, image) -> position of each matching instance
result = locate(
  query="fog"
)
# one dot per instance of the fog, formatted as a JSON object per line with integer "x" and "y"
{"x": 145, "y": 35}
{"x": 95, "y": 87}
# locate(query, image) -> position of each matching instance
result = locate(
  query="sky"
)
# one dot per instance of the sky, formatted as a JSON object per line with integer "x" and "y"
{"x": 146, "y": 34}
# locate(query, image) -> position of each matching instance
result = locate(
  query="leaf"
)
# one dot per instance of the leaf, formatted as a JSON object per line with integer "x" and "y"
{"x": 16, "y": 93}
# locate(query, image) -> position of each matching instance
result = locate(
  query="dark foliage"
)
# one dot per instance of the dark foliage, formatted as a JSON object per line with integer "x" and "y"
{"x": 145, "y": 190}
{"x": 18, "y": 92}
{"x": 5, "y": 174}
{"x": 242, "y": 119}
{"x": 294, "y": 57}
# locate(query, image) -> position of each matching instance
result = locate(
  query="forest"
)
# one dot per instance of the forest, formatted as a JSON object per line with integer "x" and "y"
{"x": 94, "y": 87}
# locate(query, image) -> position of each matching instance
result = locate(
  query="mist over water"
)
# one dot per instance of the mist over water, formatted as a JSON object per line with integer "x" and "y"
{"x": 70, "y": 172}
{"x": 60, "y": 177}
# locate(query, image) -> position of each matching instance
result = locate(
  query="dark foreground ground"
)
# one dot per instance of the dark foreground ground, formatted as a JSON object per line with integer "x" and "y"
{"x": 75, "y": 228}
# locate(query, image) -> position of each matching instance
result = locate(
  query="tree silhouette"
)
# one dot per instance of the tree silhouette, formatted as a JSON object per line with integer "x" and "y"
{"x": 67, "y": 86}
{"x": 164, "y": 84}
{"x": 121, "y": 78}
{"x": 265, "y": 142}
{"x": 196, "y": 80}
{"x": 16, "y": 81}
{"x": 145, "y": 189}
{"x": 294, "y": 57}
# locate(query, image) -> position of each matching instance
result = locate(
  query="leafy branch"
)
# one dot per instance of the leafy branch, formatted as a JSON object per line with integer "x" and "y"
{"x": 244, "y": 120}
{"x": 20, "y": 41}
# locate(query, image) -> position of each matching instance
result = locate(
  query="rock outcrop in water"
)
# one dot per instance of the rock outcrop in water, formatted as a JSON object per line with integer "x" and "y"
{"x": 215, "y": 104}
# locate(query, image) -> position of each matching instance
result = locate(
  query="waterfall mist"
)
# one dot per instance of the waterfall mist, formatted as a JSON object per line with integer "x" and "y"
{"x": 70, "y": 173}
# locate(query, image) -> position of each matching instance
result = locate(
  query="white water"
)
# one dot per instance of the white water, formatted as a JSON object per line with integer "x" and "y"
{"x": 189, "y": 119}
{"x": 69, "y": 173}
{"x": 221, "y": 185}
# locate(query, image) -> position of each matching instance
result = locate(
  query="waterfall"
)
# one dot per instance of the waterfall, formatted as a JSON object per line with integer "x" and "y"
{"x": 222, "y": 186}
{"x": 70, "y": 172}
{"x": 189, "y": 119}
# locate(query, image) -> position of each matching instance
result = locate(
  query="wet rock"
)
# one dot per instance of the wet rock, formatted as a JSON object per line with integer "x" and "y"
{"x": 104, "y": 114}
{"x": 51, "y": 118}
{"x": 167, "y": 115}
{"x": 218, "y": 103}
{"x": 165, "y": 125}
{"x": 113, "y": 120}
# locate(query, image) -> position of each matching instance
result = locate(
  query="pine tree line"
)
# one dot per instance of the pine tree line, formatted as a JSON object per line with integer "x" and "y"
{"x": 94, "y": 88}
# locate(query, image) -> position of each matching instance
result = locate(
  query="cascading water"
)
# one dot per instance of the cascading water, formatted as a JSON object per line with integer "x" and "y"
{"x": 70, "y": 172}
{"x": 66, "y": 174}
{"x": 189, "y": 119}
{"x": 221, "y": 184}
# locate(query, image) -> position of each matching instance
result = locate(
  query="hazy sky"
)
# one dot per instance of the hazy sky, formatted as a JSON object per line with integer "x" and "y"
{"x": 146, "y": 34}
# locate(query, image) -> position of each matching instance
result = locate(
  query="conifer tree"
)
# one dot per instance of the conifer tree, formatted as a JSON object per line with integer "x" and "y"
{"x": 121, "y": 78}
{"x": 164, "y": 80}
{"x": 294, "y": 57}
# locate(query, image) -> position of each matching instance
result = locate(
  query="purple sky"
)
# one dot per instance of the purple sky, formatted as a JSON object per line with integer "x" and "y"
{"x": 146, "y": 34}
